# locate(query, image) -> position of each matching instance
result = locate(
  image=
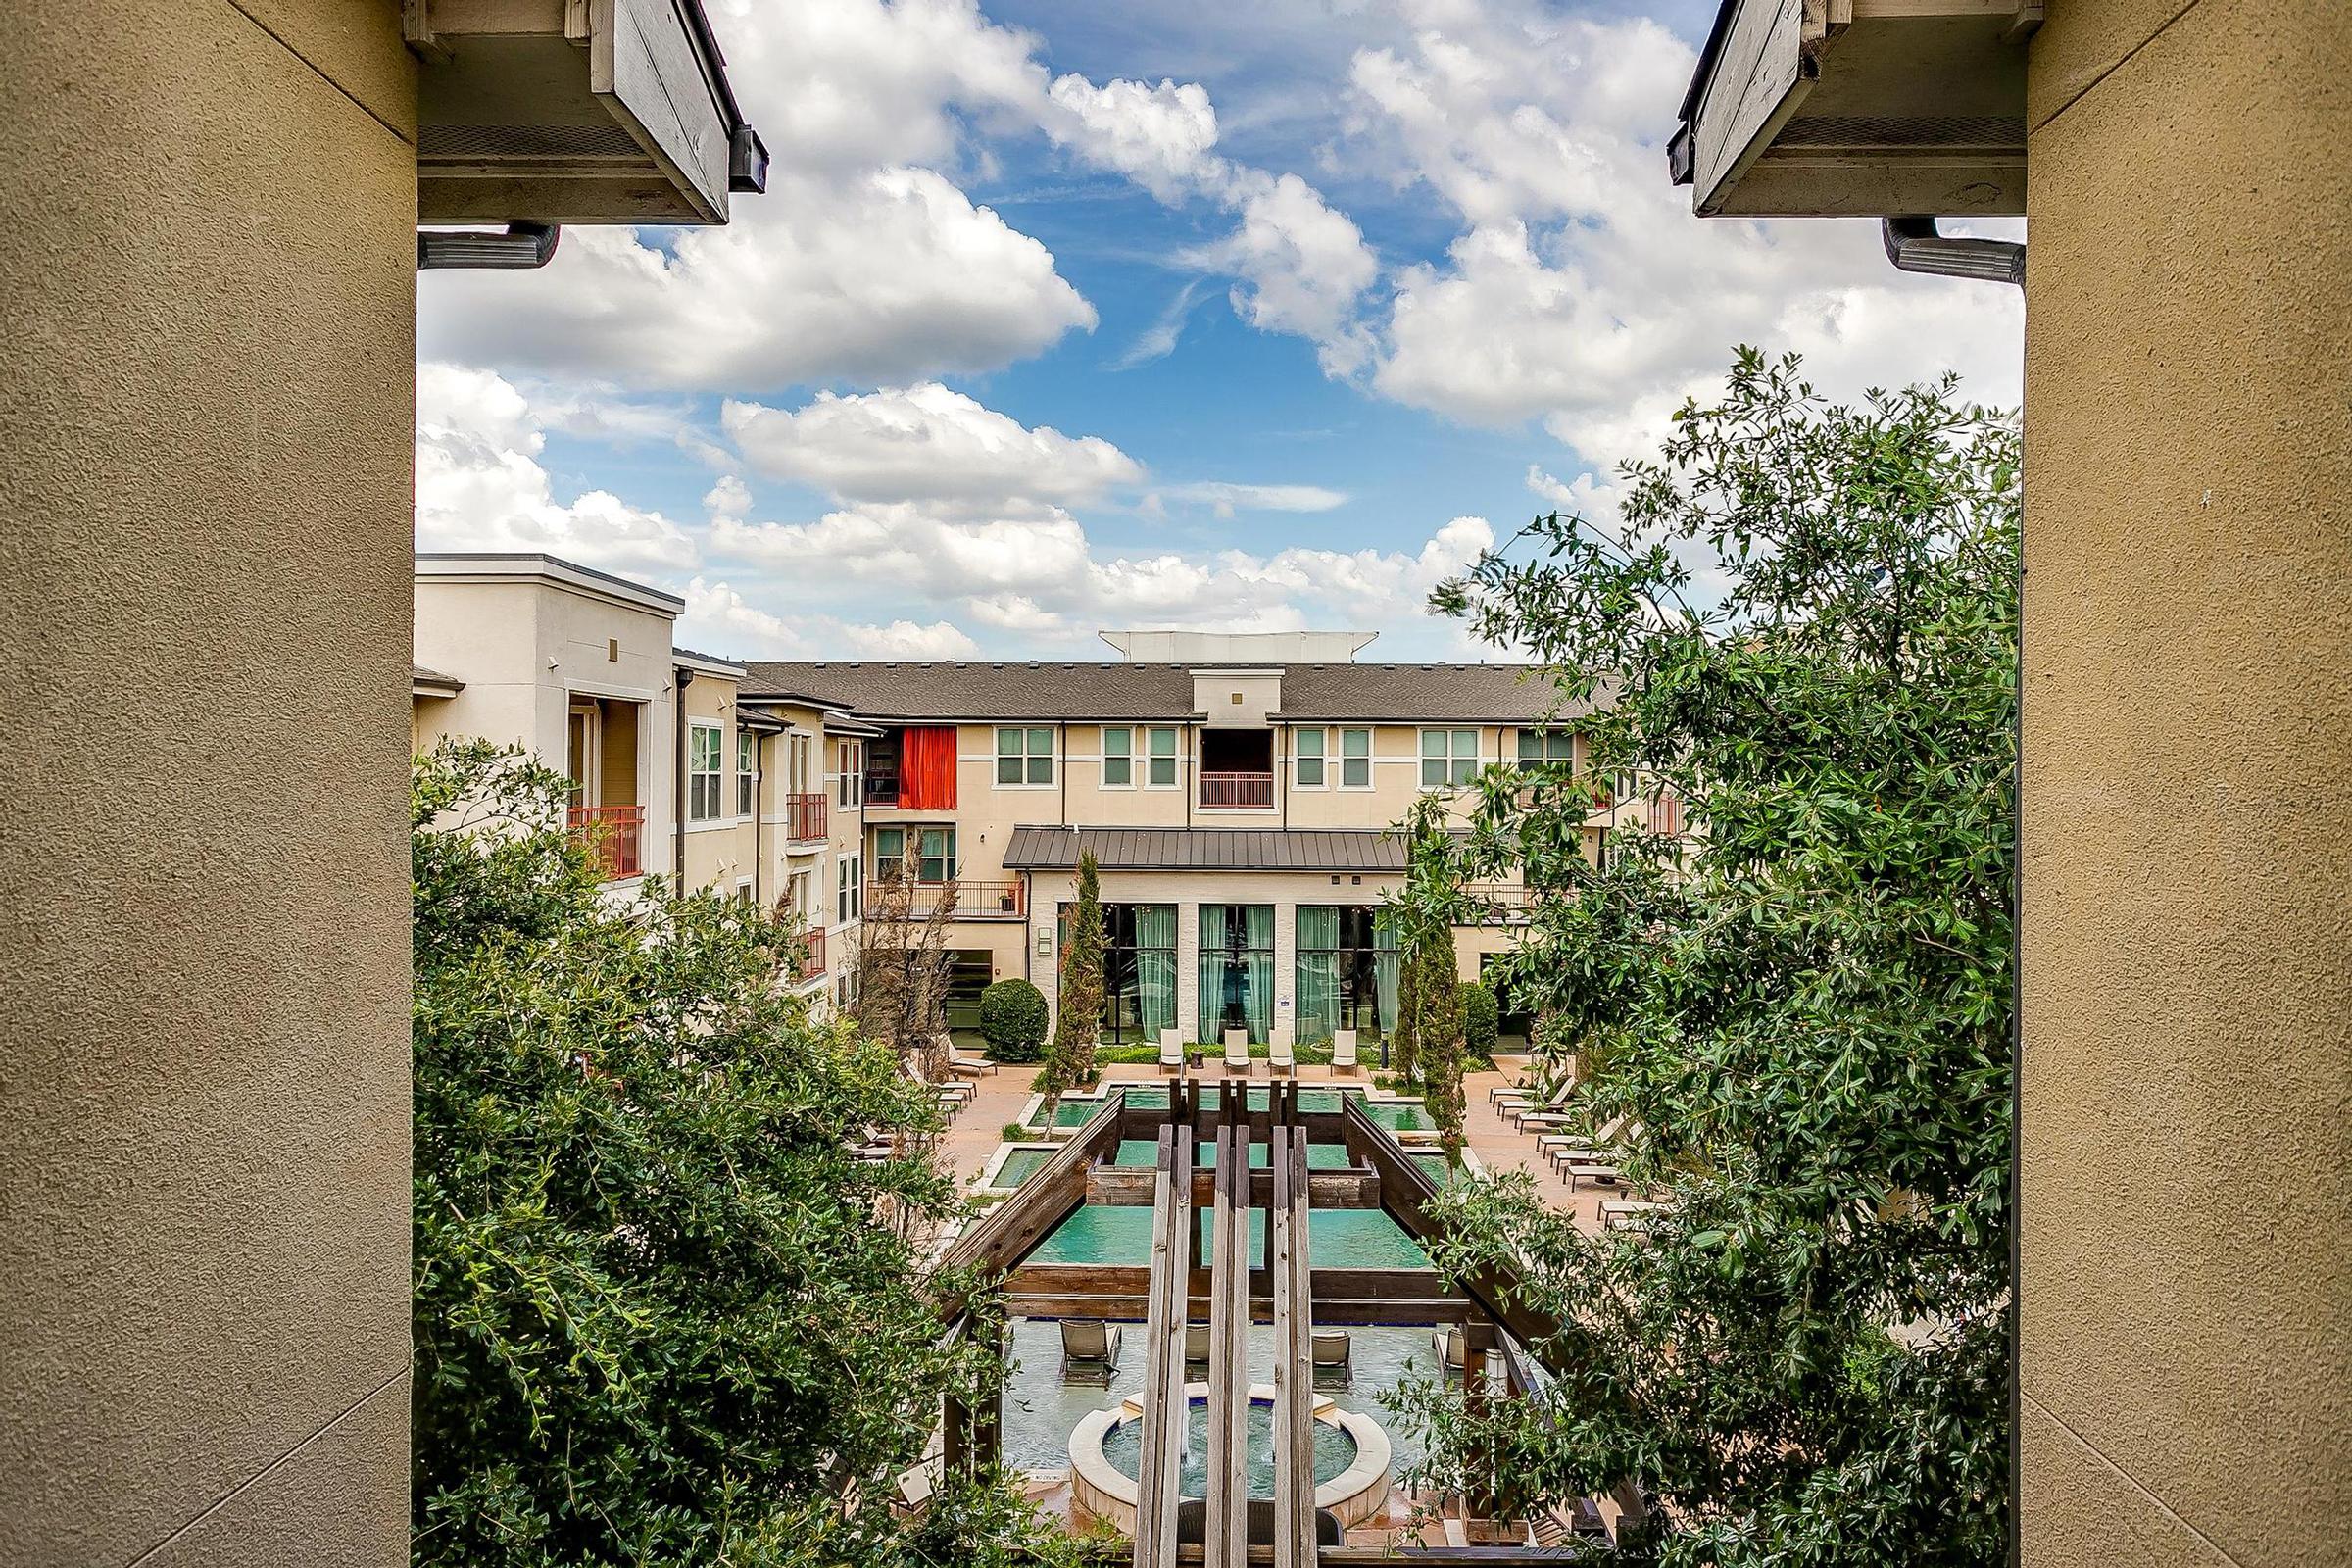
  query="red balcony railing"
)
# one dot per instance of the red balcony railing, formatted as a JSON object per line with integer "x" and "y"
{"x": 614, "y": 834}
{"x": 812, "y": 953}
{"x": 974, "y": 900}
{"x": 804, "y": 817}
{"x": 1235, "y": 791}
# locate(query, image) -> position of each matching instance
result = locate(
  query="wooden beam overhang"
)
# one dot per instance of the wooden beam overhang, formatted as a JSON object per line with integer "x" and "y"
{"x": 1158, "y": 1476}
{"x": 1227, "y": 1521}
{"x": 1293, "y": 1361}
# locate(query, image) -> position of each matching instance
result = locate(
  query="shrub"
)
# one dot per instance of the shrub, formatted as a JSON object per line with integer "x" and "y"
{"x": 1479, "y": 1014}
{"x": 1012, "y": 1021}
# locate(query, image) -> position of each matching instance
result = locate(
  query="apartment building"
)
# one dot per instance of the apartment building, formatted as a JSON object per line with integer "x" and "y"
{"x": 1239, "y": 801}
{"x": 1238, "y": 805}
{"x": 673, "y": 772}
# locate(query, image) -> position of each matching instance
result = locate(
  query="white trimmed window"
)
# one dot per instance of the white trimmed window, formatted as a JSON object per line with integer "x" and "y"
{"x": 1355, "y": 759}
{"x": 1118, "y": 758}
{"x": 1024, "y": 757}
{"x": 1159, "y": 766}
{"x": 706, "y": 772}
{"x": 1542, "y": 748}
{"x": 849, "y": 897}
{"x": 747, "y": 772}
{"x": 849, "y": 762}
{"x": 934, "y": 853}
{"x": 1448, "y": 757}
{"x": 1307, "y": 759}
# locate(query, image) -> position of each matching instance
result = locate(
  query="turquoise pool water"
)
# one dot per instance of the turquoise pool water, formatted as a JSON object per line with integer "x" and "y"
{"x": 1336, "y": 1237}
{"x": 1320, "y": 1156}
{"x": 1123, "y": 1447}
{"x": 1395, "y": 1117}
{"x": 1021, "y": 1165}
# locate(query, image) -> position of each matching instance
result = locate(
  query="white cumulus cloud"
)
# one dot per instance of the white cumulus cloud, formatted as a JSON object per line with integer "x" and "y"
{"x": 923, "y": 442}
{"x": 480, "y": 484}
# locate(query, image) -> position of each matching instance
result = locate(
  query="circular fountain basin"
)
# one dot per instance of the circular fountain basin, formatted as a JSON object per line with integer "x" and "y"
{"x": 1351, "y": 1445}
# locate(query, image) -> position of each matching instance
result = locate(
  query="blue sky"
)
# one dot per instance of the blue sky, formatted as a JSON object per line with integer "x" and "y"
{"x": 1061, "y": 317}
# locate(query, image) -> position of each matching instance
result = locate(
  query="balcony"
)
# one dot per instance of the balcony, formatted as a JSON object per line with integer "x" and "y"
{"x": 1237, "y": 792}
{"x": 812, "y": 954}
{"x": 804, "y": 819}
{"x": 974, "y": 900}
{"x": 881, "y": 789}
{"x": 614, "y": 834}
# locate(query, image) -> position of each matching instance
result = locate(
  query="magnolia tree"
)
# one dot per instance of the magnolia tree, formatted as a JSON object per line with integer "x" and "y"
{"x": 1807, "y": 629}
{"x": 660, "y": 1315}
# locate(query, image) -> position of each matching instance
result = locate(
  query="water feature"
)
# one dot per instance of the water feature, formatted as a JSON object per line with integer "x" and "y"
{"x": 1334, "y": 1450}
{"x": 1337, "y": 1237}
{"x": 1145, "y": 1153}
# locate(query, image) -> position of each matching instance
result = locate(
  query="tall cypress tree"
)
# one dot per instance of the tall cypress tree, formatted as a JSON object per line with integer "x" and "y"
{"x": 1078, "y": 1015}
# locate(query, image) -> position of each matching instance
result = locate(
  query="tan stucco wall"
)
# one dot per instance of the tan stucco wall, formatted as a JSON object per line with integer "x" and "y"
{"x": 2188, "y": 789}
{"x": 719, "y": 854}
{"x": 207, "y": 287}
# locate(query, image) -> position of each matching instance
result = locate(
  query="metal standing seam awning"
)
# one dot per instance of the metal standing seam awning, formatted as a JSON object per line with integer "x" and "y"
{"x": 1206, "y": 849}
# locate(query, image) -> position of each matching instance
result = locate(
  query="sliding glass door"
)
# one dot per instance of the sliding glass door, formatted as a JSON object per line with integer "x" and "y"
{"x": 1346, "y": 972}
{"x": 1139, "y": 971}
{"x": 1237, "y": 970}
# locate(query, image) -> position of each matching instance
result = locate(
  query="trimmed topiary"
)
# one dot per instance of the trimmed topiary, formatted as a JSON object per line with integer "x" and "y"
{"x": 1480, "y": 1012}
{"x": 1012, "y": 1021}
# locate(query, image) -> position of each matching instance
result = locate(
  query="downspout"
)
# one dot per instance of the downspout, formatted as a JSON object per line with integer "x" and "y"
{"x": 1914, "y": 244}
{"x": 758, "y": 804}
{"x": 683, "y": 678}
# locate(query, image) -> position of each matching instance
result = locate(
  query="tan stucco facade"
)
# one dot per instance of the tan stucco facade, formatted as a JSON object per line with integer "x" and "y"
{"x": 2186, "y": 1378}
{"x": 207, "y": 284}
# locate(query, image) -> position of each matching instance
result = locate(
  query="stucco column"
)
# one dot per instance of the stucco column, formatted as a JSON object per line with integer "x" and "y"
{"x": 1285, "y": 966}
{"x": 208, "y": 289}
{"x": 2186, "y": 1075}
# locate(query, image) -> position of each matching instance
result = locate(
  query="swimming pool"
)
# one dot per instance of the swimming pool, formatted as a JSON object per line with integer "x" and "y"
{"x": 1143, "y": 1152}
{"x": 1337, "y": 1237}
{"x": 1021, "y": 1165}
{"x": 1398, "y": 1115}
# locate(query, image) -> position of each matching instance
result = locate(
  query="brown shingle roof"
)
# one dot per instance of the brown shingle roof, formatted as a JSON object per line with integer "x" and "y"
{"x": 1493, "y": 694}
{"x": 1206, "y": 849}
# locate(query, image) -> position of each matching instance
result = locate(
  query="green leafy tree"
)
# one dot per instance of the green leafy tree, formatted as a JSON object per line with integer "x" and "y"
{"x": 663, "y": 1314}
{"x": 1078, "y": 1020}
{"x": 1805, "y": 1004}
{"x": 1012, "y": 1021}
{"x": 1482, "y": 1017}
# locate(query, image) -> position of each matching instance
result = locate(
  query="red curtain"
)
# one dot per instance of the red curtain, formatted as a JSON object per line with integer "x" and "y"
{"x": 927, "y": 769}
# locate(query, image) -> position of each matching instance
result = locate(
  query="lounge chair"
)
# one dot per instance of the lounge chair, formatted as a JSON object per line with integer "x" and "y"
{"x": 1090, "y": 1342}
{"x": 1342, "y": 1051}
{"x": 1171, "y": 1051}
{"x": 968, "y": 1066}
{"x": 1330, "y": 1352}
{"x": 1196, "y": 1343}
{"x": 1453, "y": 1351}
{"x": 1629, "y": 1214}
{"x": 1281, "y": 1060}
{"x": 1237, "y": 1051}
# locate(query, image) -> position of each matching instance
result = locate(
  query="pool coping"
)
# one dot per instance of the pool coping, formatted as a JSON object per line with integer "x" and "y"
{"x": 1352, "y": 1495}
